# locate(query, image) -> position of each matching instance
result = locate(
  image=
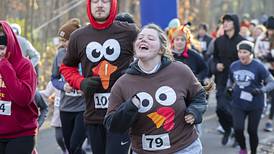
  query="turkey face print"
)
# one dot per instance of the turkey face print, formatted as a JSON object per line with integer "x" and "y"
{"x": 104, "y": 55}
{"x": 164, "y": 114}
{"x": 147, "y": 45}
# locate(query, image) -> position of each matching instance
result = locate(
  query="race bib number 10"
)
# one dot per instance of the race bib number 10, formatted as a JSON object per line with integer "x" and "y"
{"x": 155, "y": 142}
{"x": 101, "y": 100}
{"x": 5, "y": 108}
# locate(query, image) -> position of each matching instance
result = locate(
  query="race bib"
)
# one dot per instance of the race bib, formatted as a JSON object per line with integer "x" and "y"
{"x": 57, "y": 101}
{"x": 74, "y": 93}
{"x": 101, "y": 100}
{"x": 246, "y": 96}
{"x": 5, "y": 108}
{"x": 155, "y": 142}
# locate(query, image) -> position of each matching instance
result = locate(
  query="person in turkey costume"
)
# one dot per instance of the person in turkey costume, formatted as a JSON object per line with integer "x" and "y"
{"x": 160, "y": 116}
{"x": 105, "y": 49}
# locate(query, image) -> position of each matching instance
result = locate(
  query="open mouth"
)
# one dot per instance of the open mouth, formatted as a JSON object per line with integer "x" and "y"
{"x": 143, "y": 47}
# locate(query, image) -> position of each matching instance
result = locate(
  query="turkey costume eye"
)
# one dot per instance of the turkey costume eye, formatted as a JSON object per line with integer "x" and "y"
{"x": 112, "y": 49}
{"x": 165, "y": 96}
{"x": 146, "y": 102}
{"x": 94, "y": 51}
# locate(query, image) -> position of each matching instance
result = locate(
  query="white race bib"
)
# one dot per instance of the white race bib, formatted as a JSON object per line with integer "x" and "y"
{"x": 155, "y": 142}
{"x": 5, "y": 108}
{"x": 101, "y": 100}
{"x": 74, "y": 93}
{"x": 246, "y": 96}
{"x": 57, "y": 101}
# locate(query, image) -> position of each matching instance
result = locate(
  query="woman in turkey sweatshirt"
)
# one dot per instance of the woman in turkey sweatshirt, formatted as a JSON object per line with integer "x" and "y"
{"x": 18, "y": 112}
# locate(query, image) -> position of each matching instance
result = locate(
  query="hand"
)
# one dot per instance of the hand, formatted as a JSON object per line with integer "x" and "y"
{"x": 67, "y": 88}
{"x": 90, "y": 85}
{"x": 189, "y": 118}
{"x": 136, "y": 101}
{"x": 220, "y": 67}
{"x": 209, "y": 85}
{"x": 229, "y": 91}
{"x": 256, "y": 91}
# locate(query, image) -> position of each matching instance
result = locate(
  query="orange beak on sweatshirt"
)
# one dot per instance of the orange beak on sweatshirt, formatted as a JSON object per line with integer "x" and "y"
{"x": 163, "y": 117}
{"x": 104, "y": 70}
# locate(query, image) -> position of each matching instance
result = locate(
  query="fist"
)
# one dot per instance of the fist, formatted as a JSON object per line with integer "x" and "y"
{"x": 220, "y": 67}
{"x": 189, "y": 118}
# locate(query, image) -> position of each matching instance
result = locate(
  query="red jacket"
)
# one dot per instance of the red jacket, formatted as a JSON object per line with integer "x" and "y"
{"x": 18, "y": 112}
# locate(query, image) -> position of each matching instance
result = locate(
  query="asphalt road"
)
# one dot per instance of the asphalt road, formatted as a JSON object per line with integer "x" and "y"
{"x": 211, "y": 138}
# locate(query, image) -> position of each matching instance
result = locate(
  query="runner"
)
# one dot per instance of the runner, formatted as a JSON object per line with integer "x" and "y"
{"x": 72, "y": 103}
{"x": 104, "y": 49}
{"x": 18, "y": 112}
{"x": 248, "y": 94}
{"x": 158, "y": 99}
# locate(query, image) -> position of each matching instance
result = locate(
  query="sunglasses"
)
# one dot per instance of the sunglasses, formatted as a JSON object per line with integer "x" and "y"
{"x": 104, "y": 1}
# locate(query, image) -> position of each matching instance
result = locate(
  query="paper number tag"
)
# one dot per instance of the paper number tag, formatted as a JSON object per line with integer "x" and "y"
{"x": 155, "y": 142}
{"x": 246, "y": 96}
{"x": 101, "y": 100}
{"x": 74, "y": 93}
{"x": 5, "y": 108}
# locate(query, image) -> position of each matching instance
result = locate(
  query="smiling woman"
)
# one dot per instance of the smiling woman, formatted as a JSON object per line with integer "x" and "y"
{"x": 160, "y": 116}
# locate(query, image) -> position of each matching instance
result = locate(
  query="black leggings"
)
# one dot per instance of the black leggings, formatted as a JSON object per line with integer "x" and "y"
{"x": 272, "y": 105}
{"x": 20, "y": 145}
{"x": 223, "y": 110}
{"x": 73, "y": 130}
{"x": 103, "y": 142}
{"x": 60, "y": 138}
{"x": 254, "y": 117}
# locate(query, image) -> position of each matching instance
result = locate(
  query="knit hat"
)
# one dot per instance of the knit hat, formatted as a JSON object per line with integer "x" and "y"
{"x": 270, "y": 23}
{"x": 246, "y": 45}
{"x": 125, "y": 17}
{"x": 70, "y": 26}
{"x": 16, "y": 28}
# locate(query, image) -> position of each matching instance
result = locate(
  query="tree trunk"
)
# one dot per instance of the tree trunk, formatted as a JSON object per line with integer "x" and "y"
{"x": 2, "y": 9}
{"x": 26, "y": 18}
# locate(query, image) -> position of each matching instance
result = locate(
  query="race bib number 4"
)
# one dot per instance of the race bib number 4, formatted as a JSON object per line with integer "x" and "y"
{"x": 101, "y": 100}
{"x": 155, "y": 142}
{"x": 5, "y": 108}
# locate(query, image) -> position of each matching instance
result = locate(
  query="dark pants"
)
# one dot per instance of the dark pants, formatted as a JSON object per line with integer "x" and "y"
{"x": 223, "y": 110}
{"x": 254, "y": 117}
{"x": 103, "y": 142}
{"x": 272, "y": 105}
{"x": 60, "y": 138}
{"x": 20, "y": 145}
{"x": 73, "y": 130}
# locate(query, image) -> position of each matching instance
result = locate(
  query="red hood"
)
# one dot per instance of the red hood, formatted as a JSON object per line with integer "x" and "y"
{"x": 14, "y": 53}
{"x": 110, "y": 19}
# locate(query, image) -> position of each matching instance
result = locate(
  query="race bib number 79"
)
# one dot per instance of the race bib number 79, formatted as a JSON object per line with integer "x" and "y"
{"x": 101, "y": 100}
{"x": 155, "y": 142}
{"x": 5, "y": 108}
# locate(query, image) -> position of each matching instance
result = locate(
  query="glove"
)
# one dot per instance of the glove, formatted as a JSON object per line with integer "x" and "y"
{"x": 256, "y": 91}
{"x": 90, "y": 85}
{"x": 229, "y": 91}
